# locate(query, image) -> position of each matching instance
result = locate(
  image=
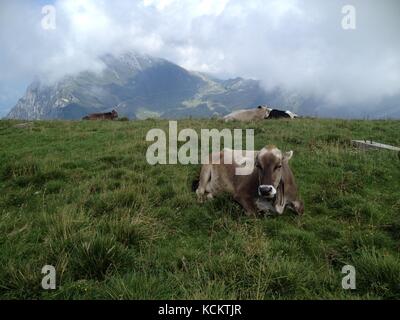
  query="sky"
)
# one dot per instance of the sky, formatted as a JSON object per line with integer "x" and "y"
{"x": 297, "y": 45}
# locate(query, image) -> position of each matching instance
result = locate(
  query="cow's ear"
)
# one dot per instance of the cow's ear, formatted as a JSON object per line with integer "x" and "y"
{"x": 287, "y": 156}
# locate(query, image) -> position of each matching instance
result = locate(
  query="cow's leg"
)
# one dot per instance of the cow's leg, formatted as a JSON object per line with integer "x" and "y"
{"x": 297, "y": 207}
{"x": 279, "y": 209}
{"x": 200, "y": 195}
{"x": 248, "y": 204}
{"x": 205, "y": 177}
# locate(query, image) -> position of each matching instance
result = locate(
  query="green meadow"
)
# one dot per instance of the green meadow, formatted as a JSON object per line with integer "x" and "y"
{"x": 81, "y": 196}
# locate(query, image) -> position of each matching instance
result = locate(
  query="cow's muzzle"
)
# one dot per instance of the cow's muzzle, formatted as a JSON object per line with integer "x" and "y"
{"x": 267, "y": 191}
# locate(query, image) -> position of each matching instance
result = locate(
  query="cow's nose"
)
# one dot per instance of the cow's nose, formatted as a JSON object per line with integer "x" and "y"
{"x": 265, "y": 190}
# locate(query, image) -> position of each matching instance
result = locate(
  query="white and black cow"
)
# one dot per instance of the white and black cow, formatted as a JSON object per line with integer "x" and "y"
{"x": 279, "y": 114}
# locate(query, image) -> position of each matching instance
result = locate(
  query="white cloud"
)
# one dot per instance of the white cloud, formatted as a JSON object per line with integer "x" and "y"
{"x": 294, "y": 44}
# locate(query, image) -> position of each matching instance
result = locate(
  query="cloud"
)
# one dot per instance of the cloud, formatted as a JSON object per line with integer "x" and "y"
{"x": 297, "y": 45}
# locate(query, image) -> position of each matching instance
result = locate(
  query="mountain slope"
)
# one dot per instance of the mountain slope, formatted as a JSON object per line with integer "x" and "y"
{"x": 138, "y": 86}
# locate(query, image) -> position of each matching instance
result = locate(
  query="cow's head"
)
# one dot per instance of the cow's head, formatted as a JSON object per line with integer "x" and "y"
{"x": 265, "y": 111}
{"x": 269, "y": 164}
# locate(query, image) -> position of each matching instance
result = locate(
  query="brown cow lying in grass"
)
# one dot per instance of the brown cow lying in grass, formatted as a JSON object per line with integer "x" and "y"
{"x": 269, "y": 187}
{"x": 259, "y": 113}
{"x": 102, "y": 116}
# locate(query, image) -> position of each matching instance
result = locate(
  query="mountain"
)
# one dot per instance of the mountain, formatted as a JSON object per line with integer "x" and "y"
{"x": 138, "y": 86}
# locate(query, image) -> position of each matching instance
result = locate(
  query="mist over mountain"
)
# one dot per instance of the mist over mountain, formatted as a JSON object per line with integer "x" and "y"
{"x": 141, "y": 86}
{"x": 299, "y": 51}
{"x": 138, "y": 86}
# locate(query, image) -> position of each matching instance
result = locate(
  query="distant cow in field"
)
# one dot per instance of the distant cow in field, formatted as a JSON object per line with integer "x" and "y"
{"x": 259, "y": 113}
{"x": 269, "y": 187}
{"x": 278, "y": 114}
{"x": 102, "y": 116}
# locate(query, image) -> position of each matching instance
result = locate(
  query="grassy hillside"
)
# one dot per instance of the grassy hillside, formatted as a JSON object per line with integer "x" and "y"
{"x": 81, "y": 196}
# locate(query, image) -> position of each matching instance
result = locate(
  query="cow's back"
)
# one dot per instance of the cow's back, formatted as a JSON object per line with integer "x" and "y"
{"x": 224, "y": 167}
{"x": 246, "y": 115}
{"x": 277, "y": 114}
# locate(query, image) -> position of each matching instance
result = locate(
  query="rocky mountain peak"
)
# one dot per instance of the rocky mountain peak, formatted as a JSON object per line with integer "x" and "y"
{"x": 137, "y": 86}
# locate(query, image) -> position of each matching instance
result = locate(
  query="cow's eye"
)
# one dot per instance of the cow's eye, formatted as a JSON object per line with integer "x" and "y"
{"x": 258, "y": 166}
{"x": 278, "y": 167}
